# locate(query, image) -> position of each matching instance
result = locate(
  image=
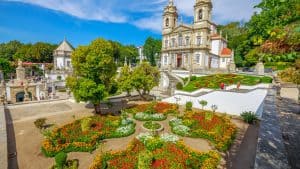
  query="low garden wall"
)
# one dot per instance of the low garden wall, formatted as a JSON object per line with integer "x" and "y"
{"x": 243, "y": 87}
{"x": 3, "y": 140}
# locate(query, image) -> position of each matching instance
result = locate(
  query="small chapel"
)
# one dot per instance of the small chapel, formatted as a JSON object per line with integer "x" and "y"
{"x": 196, "y": 46}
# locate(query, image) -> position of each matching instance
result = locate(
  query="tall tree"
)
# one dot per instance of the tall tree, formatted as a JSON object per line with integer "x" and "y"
{"x": 125, "y": 81}
{"x": 94, "y": 72}
{"x": 144, "y": 78}
{"x": 152, "y": 49}
{"x": 129, "y": 52}
{"x": 6, "y": 67}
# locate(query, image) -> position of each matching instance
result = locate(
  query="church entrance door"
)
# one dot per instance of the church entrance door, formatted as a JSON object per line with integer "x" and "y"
{"x": 179, "y": 60}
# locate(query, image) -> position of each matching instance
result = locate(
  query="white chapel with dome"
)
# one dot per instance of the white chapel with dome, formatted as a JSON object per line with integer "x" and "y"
{"x": 197, "y": 46}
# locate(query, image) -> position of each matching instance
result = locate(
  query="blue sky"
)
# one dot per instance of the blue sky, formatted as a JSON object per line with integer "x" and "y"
{"x": 80, "y": 21}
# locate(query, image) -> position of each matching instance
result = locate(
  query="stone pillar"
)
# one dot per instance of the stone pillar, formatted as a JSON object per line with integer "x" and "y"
{"x": 260, "y": 69}
{"x": 232, "y": 67}
{"x": 20, "y": 71}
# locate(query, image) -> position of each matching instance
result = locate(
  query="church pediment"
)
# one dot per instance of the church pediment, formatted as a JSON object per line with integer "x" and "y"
{"x": 181, "y": 28}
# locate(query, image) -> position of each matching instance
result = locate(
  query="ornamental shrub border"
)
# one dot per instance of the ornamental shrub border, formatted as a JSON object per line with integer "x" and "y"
{"x": 222, "y": 142}
{"x": 168, "y": 151}
{"x": 53, "y": 143}
{"x": 142, "y": 116}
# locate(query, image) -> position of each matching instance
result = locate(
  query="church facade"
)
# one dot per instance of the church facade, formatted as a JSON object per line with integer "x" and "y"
{"x": 193, "y": 47}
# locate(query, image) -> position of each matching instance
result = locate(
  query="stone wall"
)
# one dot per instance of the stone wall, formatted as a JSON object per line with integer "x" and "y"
{"x": 3, "y": 140}
{"x": 17, "y": 89}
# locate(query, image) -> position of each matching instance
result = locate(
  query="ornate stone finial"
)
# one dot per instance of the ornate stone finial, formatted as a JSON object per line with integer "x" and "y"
{"x": 171, "y": 2}
{"x": 20, "y": 63}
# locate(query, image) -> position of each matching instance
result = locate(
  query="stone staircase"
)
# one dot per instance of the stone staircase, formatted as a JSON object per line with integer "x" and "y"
{"x": 173, "y": 80}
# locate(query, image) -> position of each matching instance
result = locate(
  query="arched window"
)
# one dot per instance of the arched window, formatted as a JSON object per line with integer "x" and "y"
{"x": 167, "y": 22}
{"x": 200, "y": 14}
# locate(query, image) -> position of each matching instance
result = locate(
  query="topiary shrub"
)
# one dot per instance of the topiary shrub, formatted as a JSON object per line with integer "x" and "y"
{"x": 86, "y": 124}
{"x": 188, "y": 106}
{"x": 40, "y": 123}
{"x": 203, "y": 103}
{"x": 179, "y": 86}
{"x": 249, "y": 117}
{"x": 193, "y": 78}
{"x": 61, "y": 159}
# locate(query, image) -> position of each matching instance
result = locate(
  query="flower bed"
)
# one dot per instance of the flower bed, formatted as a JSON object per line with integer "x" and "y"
{"x": 219, "y": 130}
{"x": 144, "y": 116}
{"x": 214, "y": 81}
{"x": 155, "y": 107}
{"x": 164, "y": 155}
{"x": 74, "y": 137}
{"x": 152, "y": 125}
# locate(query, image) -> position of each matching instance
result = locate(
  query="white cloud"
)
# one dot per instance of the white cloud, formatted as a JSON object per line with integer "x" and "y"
{"x": 145, "y": 14}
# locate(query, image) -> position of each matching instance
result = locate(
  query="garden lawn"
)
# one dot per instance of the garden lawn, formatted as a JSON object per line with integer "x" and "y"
{"x": 214, "y": 81}
{"x": 217, "y": 129}
{"x": 74, "y": 137}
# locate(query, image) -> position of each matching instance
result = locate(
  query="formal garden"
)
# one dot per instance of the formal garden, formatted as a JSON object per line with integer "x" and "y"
{"x": 214, "y": 81}
{"x": 153, "y": 148}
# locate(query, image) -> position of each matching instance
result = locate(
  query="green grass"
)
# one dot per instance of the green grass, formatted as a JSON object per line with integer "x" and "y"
{"x": 214, "y": 81}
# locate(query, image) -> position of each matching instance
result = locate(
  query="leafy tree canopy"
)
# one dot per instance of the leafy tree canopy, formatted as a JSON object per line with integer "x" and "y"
{"x": 94, "y": 72}
{"x": 152, "y": 49}
{"x": 144, "y": 78}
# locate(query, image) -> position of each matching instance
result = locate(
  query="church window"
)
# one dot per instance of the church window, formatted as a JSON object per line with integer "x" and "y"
{"x": 166, "y": 43}
{"x": 199, "y": 40}
{"x": 166, "y": 60}
{"x": 187, "y": 41}
{"x": 223, "y": 59}
{"x": 197, "y": 58}
{"x": 167, "y": 22}
{"x": 173, "y": 42}
{"x": 180, "y": 40}
{"x": 200, "y": 14}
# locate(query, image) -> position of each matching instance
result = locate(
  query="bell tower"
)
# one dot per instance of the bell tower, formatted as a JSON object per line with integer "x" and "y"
{"x": 170, "y": 17}
{"x": 202, "y": 11}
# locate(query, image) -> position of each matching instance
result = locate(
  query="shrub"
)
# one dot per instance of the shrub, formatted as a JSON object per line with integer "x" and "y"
{"x": 59, "y": 78}
{"x": 208, "y": 115}
{"x": 203, "y": 103}
{"x": 214, "y": 107}
{"x": 193, "y": 78}
{"x": 151, "y": 125}
{"x": 145, "y": 159}
{"x": 154, "y": 143}
{"x": 61, "y": 159}
{"x": 86, "y": 124}
{"x": 179, "y": 86}
{"x": 249, "y": 117}
{"x": 181, "y": 130}
{"x": 40, "y": 123}
{"x": 188, "y": 106}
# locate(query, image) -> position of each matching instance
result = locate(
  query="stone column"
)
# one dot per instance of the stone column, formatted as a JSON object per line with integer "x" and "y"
{"x": 20, "y": 71}
{"x": 260, "y": 69}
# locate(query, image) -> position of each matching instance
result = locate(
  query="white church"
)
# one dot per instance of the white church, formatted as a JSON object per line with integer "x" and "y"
{"x": 197, "y": 46}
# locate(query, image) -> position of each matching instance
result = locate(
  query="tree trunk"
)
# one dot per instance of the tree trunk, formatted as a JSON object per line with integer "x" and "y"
{"x": 142, "y": 96}
{"x": 97, "y": 108}
{"x": 128, "y": 93}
